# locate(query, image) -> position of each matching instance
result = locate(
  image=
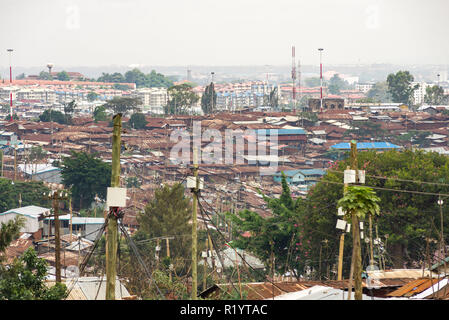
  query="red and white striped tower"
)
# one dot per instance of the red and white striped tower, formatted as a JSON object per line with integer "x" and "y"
{"x": 321, "y": 80}
{"x": 10, "y": 83}
{"x": 294, "y": 78}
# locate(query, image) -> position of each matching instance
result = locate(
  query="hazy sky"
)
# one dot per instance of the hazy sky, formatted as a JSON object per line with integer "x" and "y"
{"x": 226, "y": 32}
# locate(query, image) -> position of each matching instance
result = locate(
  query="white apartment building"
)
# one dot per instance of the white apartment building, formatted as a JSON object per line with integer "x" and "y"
{"x": 364, "y": 87}
{"x": 43, "y": 95}
{"x": 419, "y": 94}
{"x": 152, "y": 97}
{"x": 5, "y": 91}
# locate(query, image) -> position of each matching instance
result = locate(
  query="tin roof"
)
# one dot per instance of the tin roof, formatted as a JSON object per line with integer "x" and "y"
{"x": 413, "y": 287}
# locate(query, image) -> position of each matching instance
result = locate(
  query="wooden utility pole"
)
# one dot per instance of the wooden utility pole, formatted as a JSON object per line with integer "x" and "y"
{"x": 168, "y": 255}
{"x": 205, "y": 265}
{"x": 194, "y": 225}
{"x": 56, "y": 196}
{"x": 342, "y": 242}
{"x": 71, "y": 215}
{"x": 15, "y": 163}
{"x": 111, "y": 236}
{"x": 356, "y": 261}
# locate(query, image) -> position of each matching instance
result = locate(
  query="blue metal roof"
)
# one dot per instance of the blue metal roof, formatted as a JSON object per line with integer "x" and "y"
{"x": 366, "y": 145}
{"x": 280, "y": 131}
{"x": 306, "y": 172}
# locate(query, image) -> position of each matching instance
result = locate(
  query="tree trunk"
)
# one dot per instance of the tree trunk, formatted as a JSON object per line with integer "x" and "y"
{"x": 357, "y": 260}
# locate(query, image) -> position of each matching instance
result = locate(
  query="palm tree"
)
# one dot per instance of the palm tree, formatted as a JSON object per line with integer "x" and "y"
{"x": 358, "y": 202}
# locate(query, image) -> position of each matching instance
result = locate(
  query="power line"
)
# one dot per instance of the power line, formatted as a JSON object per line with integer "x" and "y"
{"x": 139, "y": 258}
{"x": 398, "y": 179}
{"x": 395, "y": 190}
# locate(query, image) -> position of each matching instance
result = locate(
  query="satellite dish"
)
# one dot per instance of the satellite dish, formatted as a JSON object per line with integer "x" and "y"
{"x": 72, "y": 271}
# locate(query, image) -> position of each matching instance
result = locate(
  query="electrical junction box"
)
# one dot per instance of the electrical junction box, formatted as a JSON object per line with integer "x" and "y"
{"x": 341, "y": 224}
{"x": 191, "y": 183}
{"x": 349, "y": 176}
{"x": 116, "y": 197}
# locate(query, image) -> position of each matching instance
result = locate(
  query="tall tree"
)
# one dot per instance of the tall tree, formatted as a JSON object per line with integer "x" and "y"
{"x": 45, "y": 76}
{"x": 271, "y": 239}
{"x": 379, "y": 92}
{"x": 69, "y": 109}
{"x": 53, "y": 116}
{"x": 168, "y": 214}
{"x": 122, "y": 105}
{"x": 434, "y": 95}
{"x": 336, "y": 84}
{"x": 86, "y": 175}
{"x": 180, "y": 99}
{"x": 273, "y": 99}
{"x": 209, "y": 99}
{"x": 63, "y": 76}
{"x": 100, "y": 114}
{"x": 137, "y": 121}
{"x": 400, "y": 87}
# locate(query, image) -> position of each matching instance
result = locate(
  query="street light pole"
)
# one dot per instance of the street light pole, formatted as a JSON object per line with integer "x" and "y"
{"x": 10, "y": 83}
{"x": 321, "y": 79}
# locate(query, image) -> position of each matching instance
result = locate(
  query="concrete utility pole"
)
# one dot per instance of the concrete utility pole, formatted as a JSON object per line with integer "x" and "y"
{"x": 111, "y": 236}
{"x": 56, "y": 196}
{"x": 194, "y": 225}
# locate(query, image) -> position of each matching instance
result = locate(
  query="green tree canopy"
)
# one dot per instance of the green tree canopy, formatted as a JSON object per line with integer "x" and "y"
{"x": 400, "y": 87}
{"x": 406, "y": 219}
{"x": 434, "y": 95}
{"x": 86, "y": 175}
{"x": 180, "y": 99}
{"x": 379, "y": 92}
{"x": 122, "y": 105}
{"x": 10, "y": 231}
{"x": 273, "y": 238}
{"x": 53, "y": 116}
{"x": 45, "y": 76}
{"x": 30, "y": 192}
{"x": 209, "y": 99}
{"x": 167, "y": 214}
{"x": 336, "y": 84}
{"x": 100, "y": 114}
{"x": 137, "y": 121}
{"x": 63, "y": 76}
{"x": 92, "y": 96}
{"x": 24, "y": 279}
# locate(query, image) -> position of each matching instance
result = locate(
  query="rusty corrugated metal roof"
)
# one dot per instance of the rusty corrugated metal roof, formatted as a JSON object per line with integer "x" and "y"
{"x": 267, "y": 290}
{"x": 413, "y": 287}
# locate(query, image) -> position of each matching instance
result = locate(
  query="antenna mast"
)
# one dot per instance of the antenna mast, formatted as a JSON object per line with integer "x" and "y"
{"x": 294, "y": 78}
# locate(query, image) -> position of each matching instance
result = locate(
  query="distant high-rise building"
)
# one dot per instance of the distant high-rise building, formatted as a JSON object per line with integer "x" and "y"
{"x": 189, "y": 75}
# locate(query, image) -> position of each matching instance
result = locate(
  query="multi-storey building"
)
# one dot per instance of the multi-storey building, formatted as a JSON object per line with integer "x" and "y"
{"x": 364, "y": 87}
{"x": 420, "y": 92}
{"x": 152, "y": 97}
